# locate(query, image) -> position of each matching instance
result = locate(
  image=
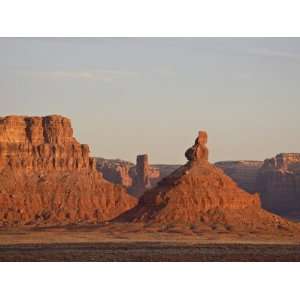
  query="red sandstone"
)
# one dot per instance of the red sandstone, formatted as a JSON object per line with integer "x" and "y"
{"x": 47, "y": 177}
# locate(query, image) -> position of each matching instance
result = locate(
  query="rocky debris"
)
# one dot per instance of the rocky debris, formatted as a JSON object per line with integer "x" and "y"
{"x": 243, "y": 172}
{"x": 200, "y": 194}
{"x": 278, "y": 182}
{"x": 47, "y": 177}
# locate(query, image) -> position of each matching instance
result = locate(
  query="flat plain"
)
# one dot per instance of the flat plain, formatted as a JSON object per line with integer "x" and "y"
{"x": 131, "y": 242}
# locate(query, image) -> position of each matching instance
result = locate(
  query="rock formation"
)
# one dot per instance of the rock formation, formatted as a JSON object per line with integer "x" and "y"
{"x": 144, "y": 176}
{"x": 199, "y": 151}
{"x": 116, "y": 171}
{"x": 47, "y": 177}
{"x": 135, "y": 178}
{"x": 278, "y": 182}
{"x": 243, "y": 172}
{"x": 200, "y": 193}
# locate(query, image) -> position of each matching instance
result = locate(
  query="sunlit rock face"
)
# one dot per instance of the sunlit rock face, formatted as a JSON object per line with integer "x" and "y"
{"x": 41, "y": 144}
{"x": 199, "y": 194}
{"x": 48, "y": 177}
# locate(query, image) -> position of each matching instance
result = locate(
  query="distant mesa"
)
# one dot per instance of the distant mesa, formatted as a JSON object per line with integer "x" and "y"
{"x": 243, "y": 172}
{"x": 198, "y": 194}
{"x": 47, "y": 177}
{"x": 278, "y": 182}
{"x": 136, "y": 178}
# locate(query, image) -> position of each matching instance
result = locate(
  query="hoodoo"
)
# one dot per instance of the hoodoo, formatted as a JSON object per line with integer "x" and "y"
{"x": 47, "y": 177}
{"x": 200, "y": 193}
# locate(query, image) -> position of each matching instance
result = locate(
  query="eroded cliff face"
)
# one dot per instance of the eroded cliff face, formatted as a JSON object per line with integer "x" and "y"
{"x": 200, "y": 194}
{"x": 278, "y": 182}
{"x": 135, "y": 178}
{"x": 41, "y": 144}
{"x": 116, "y": 170}
{"x": 48, "y": 177}
{"x": 243, "y": 172}
{"x": 144, "y": 176}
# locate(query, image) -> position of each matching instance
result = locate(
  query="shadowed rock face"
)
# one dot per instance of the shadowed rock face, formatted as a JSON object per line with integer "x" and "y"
{"x": 116, "y": 171}
{"x": 199, "y": 151}
{"x": 47, "y": 177}
{"x": 278, "y": 182}
{"x": 243, "y": 172}
{"x": 200, "y": 193}
{"x": 136, "y": 178}
{"x": 144, "y": 176}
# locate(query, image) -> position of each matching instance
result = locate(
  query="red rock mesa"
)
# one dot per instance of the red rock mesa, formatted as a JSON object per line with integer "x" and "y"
{"x": 200, "y": 193}
{"x": 47, "y": 177}
{"x": 278, "y": 182}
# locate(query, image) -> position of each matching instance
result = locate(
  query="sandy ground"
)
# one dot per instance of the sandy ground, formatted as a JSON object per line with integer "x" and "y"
{"x": 132, "y": 242}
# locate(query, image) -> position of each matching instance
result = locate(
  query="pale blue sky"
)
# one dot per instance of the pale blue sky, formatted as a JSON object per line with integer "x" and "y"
{"x": 130, "y": 95}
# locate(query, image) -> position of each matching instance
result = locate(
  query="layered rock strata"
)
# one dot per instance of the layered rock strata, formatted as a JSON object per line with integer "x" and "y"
{"x": 144, "y": 176}
{"x": 135, "y": 178}
{"x": 278, "y": 182}
{"x": 47, "y": 177}
{"x": 116, "y": 171}
{"x": 200, "y": 193}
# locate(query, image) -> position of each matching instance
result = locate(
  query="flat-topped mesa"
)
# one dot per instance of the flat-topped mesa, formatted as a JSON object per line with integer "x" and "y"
{"x": 41, "y": 143}
{"x": 47, "y": 176}
{"x": 283, "y": 162}
{"x": 278, "y": 183}
{"x": 199, "y": 151}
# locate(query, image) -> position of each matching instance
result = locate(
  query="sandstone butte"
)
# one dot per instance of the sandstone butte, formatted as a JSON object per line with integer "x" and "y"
{"x": 200, "y": 193}
{"x": 48, "y": 177}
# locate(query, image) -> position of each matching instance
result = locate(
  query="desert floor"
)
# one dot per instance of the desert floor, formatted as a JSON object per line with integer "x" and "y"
{"x": 132, "y": 242}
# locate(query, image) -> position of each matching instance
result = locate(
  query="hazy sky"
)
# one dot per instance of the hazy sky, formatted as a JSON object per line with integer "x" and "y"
{"x": 130, "y": 95}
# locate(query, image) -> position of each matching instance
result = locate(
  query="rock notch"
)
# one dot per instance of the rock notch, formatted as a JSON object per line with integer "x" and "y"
{"x": 47, "y": 177}
{"x": 198, "y": 194}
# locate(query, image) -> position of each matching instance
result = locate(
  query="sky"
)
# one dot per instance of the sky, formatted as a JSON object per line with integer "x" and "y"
{"x": 128, "y": 96}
